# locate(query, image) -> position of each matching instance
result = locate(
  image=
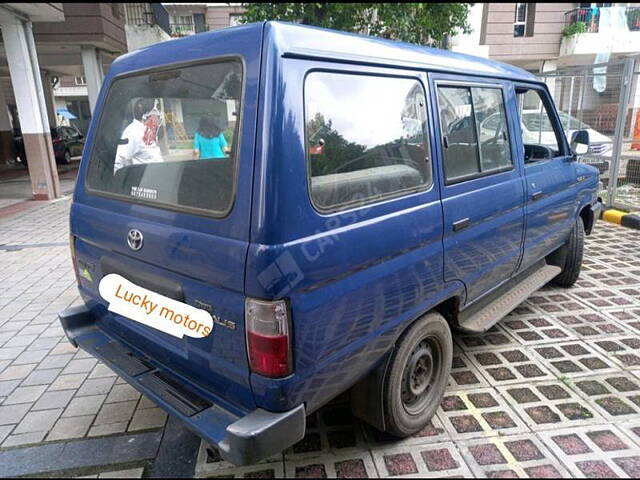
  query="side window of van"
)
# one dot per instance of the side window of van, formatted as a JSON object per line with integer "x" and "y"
{"x": 365, "y": 138}
{"x": 539, "y": 134}
{"x": 475, "y": 135}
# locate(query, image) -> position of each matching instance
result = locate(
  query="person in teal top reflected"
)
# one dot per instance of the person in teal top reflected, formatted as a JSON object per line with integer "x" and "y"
{"x": 209, "y": 141}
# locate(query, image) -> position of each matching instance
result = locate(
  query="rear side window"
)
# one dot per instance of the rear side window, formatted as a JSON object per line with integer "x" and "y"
{"x": 475, "y": 135}
{"x": 169, "y": 138}
{"x": 365, "y": 137}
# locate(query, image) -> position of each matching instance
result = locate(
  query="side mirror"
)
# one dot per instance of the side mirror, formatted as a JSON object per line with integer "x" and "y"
{"x": 580, "y": 142}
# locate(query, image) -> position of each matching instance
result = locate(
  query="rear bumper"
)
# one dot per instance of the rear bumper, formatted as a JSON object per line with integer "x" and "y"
{"x": 241, "y": 440}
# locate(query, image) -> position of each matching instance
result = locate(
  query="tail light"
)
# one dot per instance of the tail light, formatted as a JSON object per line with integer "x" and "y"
{"x": 55, "y": 141}
{"x": 268, "y": 337}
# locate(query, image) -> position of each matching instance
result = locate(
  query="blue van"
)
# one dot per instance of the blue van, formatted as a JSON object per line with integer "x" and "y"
{"x": 357, "y": 201}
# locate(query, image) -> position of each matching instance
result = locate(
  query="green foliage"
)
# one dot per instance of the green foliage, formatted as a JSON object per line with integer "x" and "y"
{"x": 421, "y": 23}
{"x": 337, "y": 151}
{"x": 574, "y": 29}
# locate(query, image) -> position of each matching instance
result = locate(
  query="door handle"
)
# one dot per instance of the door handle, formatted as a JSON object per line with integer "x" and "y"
{"x": 536, "y": 196}
{"x": 460, "y": 224}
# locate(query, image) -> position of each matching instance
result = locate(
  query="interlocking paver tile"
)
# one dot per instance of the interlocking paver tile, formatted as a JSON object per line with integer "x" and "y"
{"x": 209, "y": 463}
{"x": 549, "y": 405}
{"x": 495, "y": 337}
{"x": 616, "y": 396}
{"x": 574, "y": 359}
{"x": 511, "y": 456}
{"x": 589, "y": 324}
{"x": 478, "y": 413}
{"x": 514, "y": 365}
{"x": 433, "y": 460}
{"x": 629, "y": 317}
{"x": 464, "y": 374}
{"x": 332, "y": 429}
{"x": 623, "y": 351}
{"x": 594, "y": 451}
{"x": 67, "y": 428}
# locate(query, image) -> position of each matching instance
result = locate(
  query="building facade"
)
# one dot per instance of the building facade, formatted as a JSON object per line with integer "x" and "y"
{"x": 545, "y": 36}
{"x": 191, "y": 18}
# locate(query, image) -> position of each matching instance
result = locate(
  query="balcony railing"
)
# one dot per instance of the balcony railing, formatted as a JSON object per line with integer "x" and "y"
{"x": 184, "y": 29}
{"x": 590, "y": 17}
{"x": 147, "y": 14}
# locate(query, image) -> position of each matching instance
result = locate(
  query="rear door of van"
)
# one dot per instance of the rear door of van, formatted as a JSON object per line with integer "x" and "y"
{"x": 169, "y": 213}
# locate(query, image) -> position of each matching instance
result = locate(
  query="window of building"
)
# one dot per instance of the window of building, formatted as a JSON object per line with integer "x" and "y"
{"x": 182, "y": 19}
{"x": 475, "y": 135}
{"x": 524, "y": 20}
{"x": 364, "y": 145}
{"x": 80, "y": 81}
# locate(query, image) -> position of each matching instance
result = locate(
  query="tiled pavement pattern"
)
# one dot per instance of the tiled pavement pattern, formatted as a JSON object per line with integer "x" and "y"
{"x": 553, "y": 390}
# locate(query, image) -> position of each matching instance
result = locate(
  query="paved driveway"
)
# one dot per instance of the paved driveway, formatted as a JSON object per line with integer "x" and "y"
{"x": 554, "y": 389}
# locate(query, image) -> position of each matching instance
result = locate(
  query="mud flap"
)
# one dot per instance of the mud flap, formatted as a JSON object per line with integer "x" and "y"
{"x": 367, "y": 394}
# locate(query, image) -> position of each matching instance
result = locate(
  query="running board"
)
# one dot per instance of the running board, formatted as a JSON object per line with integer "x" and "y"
{"x": 481, "y": 320}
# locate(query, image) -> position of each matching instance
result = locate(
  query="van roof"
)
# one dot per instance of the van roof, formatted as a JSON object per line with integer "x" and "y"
{"x": 304, "y": 41}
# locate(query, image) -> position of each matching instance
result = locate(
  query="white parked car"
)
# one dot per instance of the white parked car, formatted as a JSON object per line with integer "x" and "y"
{"x": 536, "y": 129}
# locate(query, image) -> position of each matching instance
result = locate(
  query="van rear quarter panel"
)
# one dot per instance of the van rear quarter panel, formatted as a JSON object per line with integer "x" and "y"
{"x": 354, "y": 279}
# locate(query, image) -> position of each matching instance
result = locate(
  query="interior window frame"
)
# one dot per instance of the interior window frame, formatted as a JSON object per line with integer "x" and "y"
{"x": 470, "y": 85}
{"x": 368, "y": 202}
{"x": 556, "y": 123}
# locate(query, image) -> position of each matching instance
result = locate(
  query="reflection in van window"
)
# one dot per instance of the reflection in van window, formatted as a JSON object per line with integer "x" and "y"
{"x": 170, "y": 137}
{"x": 465, "y": 112}
{"x": 539, "y": 137}
{"x": 366, "y": 138}
{"x": 459, "y": 136}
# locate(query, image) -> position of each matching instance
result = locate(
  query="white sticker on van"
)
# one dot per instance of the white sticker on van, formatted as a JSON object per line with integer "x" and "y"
{"x": 154, "y": 310}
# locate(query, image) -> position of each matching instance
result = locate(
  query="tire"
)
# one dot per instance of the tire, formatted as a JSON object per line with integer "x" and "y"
{"x": 417, "y": 376}
{"x": 573, "y": 261}
{"x": 66, "y": 158}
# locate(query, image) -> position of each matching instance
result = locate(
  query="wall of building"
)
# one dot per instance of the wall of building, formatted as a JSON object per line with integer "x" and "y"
{"x": 219, "y": 16}
{"x": 139, "y": 36}
{"x": 101, "y": 24}
{"x": 547, "y": 32}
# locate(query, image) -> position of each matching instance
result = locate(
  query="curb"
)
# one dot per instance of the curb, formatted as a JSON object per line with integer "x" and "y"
{"x": 631, "y": 220}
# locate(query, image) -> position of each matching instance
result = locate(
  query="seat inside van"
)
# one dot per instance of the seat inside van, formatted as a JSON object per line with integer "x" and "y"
{"x": 204, "y": 183}
{"x": 341, "y": 188}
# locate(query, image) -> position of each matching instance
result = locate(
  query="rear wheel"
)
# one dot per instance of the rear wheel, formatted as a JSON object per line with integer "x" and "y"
{"x": 66, "y": 159}
{"x": 417, "y": 376}
{"x": 573, "y": 260}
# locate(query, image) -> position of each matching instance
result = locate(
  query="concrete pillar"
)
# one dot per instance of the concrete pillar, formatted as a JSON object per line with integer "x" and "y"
{"x": 550, "y": 66}
{"x": 6, "y": 134}
{"x": 92, "y": 64}
{"x": 49, "y": 100}
{"x": 27, "y": 86}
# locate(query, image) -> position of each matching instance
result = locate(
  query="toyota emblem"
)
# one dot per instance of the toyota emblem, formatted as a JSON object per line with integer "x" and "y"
{"x": 134, "y": 239}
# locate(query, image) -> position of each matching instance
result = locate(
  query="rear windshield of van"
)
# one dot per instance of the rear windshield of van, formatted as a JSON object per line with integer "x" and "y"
{"x": 169, "y": 138}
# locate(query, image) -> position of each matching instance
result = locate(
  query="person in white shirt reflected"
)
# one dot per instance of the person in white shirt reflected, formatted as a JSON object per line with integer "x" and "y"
{"x": 139, "y": 140}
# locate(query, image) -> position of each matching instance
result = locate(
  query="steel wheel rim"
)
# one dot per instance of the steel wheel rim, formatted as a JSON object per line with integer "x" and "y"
{"x": 420, "y": 374}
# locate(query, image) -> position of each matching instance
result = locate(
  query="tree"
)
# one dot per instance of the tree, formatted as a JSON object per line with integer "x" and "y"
{"x": 421, "y": 23}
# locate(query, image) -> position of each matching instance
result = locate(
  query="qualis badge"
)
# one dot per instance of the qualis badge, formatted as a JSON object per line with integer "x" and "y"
{"x": 154, "y": 310}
